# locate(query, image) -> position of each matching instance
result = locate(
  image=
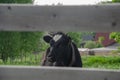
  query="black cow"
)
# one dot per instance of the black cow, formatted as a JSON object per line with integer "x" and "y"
{"x": 62, "y": 51}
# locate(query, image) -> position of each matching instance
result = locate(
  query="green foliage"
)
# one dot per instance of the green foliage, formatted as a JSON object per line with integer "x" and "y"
{"x": 115, "y": 36}
{"x": 92, "y": 44}
{"x": 16, "y": 1}
{"x": 9, "y": 44}
{"x": 109, "y": 62}
{"x": 14, "y": 44}
{"x": 30, "y": 41}
{"x": 115, "y": 1}
{"x": 77, "y": 36}
{"x": 100, "y": 39}
{"x": 31, "y": 59}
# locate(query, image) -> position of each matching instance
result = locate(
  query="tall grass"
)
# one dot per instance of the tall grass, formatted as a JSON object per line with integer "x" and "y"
{"x": 32, "y": 59}
{"x": 103, "y": 62}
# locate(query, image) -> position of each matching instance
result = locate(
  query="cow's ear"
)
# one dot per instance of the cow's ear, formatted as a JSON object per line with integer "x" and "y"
{"x": 47, "y": 38}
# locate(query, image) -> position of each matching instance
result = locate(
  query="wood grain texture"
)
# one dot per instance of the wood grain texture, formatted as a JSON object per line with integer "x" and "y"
{"x": 56, "y": 73}
{"x": 98, "y": 18}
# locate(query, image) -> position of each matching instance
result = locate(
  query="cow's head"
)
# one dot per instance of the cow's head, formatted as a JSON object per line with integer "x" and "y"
{"x": 59, "y": 51}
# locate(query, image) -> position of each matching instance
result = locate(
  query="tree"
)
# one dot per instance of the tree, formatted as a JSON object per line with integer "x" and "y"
{"x": 10, "y": 41}
{"x": 16, "y": 1}
{"x": 30, "y": 41}
{"x": 115, "y": 1}
{"x": 77, "y": 36}
{"x": 9, "y": 45}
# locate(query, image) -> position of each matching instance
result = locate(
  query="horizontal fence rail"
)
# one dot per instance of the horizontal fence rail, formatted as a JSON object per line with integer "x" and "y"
{"x": 23, "y": 17}
{"x": 55, "y": 73}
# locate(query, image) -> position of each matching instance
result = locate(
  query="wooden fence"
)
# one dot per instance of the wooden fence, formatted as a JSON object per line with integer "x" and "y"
{"x": 60, "y": 18}
{"x": 55, "y": 73}
{"x": 102, "y": 18}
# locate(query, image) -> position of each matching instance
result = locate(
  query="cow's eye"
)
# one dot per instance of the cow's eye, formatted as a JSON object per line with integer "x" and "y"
{"x": 52, "y": 42}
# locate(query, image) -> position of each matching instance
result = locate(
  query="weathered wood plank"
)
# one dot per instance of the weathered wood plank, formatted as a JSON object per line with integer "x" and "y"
{"x": 56, "y": 73}
{"x": 104, "y": 18}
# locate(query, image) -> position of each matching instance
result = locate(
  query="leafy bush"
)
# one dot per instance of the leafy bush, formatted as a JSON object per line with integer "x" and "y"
{"x": 92, "y": 44}
{"x": 77, "y": 37}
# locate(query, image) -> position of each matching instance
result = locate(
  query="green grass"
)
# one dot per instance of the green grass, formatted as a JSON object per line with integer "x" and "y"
{"x": 27, "y": 61}
{"x": 103, "y": 62}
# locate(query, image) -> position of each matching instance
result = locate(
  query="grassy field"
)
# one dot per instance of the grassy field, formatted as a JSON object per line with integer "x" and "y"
{"x": 103, "y": 62}
{"x": 30, "y": 60}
